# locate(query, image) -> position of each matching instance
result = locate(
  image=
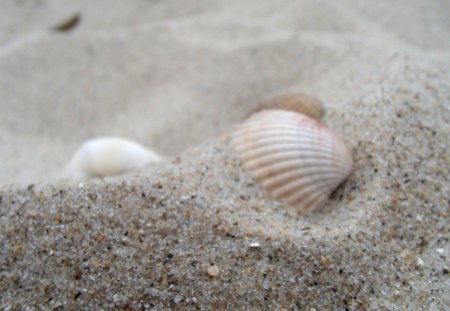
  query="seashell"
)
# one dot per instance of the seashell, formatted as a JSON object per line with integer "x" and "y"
{"x": 295, "y": 158}
{"x": 297, "y": 102}
{"x": 106, "y": 156}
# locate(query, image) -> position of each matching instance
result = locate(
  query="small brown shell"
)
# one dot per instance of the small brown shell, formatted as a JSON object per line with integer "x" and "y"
{"x": 296, "y": 102}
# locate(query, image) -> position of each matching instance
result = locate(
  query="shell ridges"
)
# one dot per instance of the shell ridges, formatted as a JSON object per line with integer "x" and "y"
{"x": 296, "y": 102}
{"x": 295, "y": 158}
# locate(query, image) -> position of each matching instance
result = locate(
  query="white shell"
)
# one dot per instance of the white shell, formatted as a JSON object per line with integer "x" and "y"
{"x": 295, "y": 158}
{"x": 106, "y": 156}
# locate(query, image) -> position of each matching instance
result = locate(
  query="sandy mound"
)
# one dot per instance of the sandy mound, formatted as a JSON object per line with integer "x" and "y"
{"x": 176, "y": 75}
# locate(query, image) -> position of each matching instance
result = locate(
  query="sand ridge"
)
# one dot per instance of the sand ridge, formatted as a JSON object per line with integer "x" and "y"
{"x": 178, "y": 76}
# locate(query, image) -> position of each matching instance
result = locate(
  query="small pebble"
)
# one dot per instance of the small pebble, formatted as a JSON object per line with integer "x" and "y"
{"x": 116, "y": 297}
{"x": 440, "y": 251}
{"x": 254, "y": 245}
{"x": 177, "y": 299}
{"x": 325, "y": 261}
{"x": 100, "y": 237}
{"x": 213, "y": 271}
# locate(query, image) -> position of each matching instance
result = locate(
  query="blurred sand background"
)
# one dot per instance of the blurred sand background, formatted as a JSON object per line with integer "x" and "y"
{"x": 177, "y": 76}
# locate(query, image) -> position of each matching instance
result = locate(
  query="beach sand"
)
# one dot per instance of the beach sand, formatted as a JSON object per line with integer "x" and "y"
{"x": 179, "y": 76}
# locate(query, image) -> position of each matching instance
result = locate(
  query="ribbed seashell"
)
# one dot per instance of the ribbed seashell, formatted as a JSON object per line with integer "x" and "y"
{"x": 106, "y": 156}
{"x": 297, "y": 102}
{"x": 295, "y": 158}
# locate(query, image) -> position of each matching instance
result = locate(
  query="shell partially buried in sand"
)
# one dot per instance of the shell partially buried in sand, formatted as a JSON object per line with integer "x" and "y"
{"x": 296, "y": 102}
{"x": 106, "y": 156}
{"x": 294, "y": 157}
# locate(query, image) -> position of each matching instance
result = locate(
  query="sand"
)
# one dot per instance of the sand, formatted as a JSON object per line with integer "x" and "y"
{"x": 196, "y": 232}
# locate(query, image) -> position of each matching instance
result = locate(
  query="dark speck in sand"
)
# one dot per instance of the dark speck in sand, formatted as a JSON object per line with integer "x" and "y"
{"x": 77, "y": 295}
{"x": 68, "y": 24}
